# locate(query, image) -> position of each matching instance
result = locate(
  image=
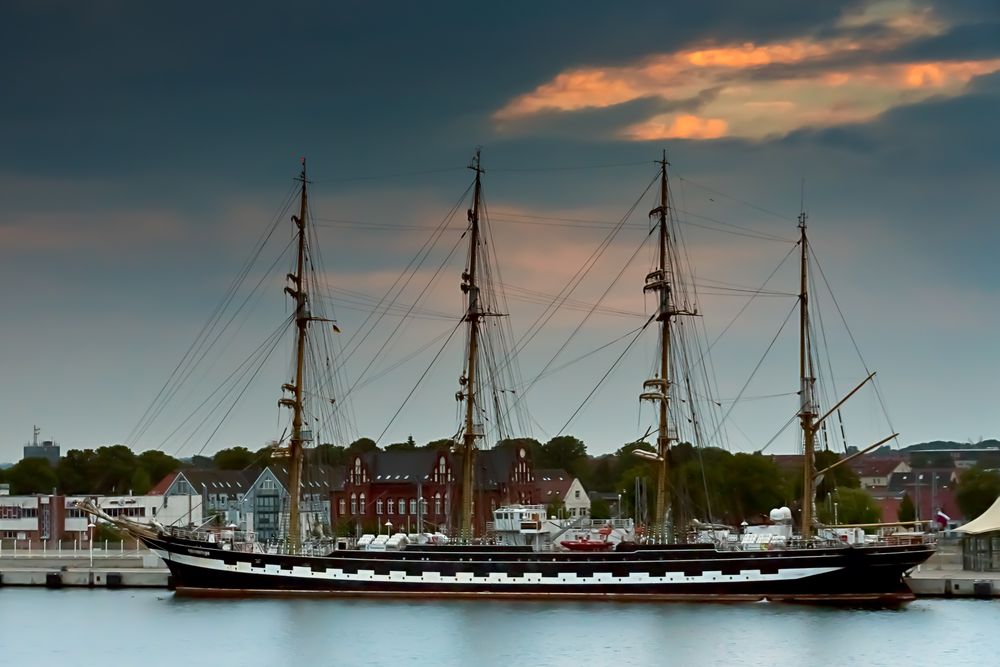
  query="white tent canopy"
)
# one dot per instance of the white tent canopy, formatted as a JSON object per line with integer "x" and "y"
{"x": 987, "y": 522}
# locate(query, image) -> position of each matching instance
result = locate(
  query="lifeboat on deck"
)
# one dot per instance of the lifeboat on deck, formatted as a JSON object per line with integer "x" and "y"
{"x": 584, "y": 543}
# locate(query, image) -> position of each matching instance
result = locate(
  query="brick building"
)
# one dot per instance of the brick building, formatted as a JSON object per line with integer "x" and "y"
{"x": 399, "y": 486}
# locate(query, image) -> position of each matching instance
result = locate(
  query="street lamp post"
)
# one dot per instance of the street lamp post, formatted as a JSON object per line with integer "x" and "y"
{"x": 91, "y": 526}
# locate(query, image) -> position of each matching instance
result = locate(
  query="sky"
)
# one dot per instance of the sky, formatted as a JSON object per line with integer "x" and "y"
{"x": 144, "y": 148}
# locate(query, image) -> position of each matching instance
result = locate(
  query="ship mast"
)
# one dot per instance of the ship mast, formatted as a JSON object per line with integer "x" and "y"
{"x": 298, "y": 293}
{"x": 807, "y": 412}
{"x": 658, "y": 389}
{"x": 472, "y": 317}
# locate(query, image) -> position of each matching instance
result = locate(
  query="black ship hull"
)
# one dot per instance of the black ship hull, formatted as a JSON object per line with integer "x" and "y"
{"x": 852, "y": 575}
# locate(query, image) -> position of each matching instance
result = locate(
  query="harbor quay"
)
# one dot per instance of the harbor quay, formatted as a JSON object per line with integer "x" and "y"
{"x": 109, "y": 566}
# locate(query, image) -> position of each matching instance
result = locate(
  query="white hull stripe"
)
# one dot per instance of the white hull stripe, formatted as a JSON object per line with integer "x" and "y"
{"x": 494, "y": 578}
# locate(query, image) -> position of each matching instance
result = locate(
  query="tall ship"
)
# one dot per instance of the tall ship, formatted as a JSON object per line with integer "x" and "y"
{"x": 787, "y": 560}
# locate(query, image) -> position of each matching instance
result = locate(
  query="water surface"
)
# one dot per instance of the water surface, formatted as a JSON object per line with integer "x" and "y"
{"x": 154, "y": 628}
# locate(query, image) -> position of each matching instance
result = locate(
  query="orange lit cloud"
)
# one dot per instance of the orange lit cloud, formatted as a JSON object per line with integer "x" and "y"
{"x": 724, "y": 93}
{"x": 684, "y": 126}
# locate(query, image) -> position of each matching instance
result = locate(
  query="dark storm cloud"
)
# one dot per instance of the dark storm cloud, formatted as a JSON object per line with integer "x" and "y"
{"x": 126, "y": 88}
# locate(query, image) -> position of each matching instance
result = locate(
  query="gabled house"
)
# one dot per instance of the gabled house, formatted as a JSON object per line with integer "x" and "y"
{"x": 874, "y": 473}
{"x": 267, "y": 500}
{"x": 222, "y": 492}
{"x": 558, "y": 486}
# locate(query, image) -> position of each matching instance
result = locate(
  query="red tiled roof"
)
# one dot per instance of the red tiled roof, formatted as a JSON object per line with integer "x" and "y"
{"x": 164, "y": 484}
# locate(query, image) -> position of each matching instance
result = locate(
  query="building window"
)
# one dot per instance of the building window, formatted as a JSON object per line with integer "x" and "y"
{"x": 341, "y": 507}
{"x": 402, "y": 506}
{"x": 363, "y": 509}
{"x": 380, "y": 507}
{"x": 413, "y": 505}
{"x": 389, "y": 507}
{"x": 437, "y": 504}
{"x": 577, "y": 493}
{"x": 354, "y": 503}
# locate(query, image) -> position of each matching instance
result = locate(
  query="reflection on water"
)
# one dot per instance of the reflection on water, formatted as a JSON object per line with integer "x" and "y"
{"x": 100, "y": 627}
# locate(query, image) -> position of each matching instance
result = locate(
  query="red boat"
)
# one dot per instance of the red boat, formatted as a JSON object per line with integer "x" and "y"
{"x": 584, "y": 543}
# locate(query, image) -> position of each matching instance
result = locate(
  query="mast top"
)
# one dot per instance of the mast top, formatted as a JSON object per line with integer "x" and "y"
{"x": 474, "y": 165}
{"x": 302, "y": 175}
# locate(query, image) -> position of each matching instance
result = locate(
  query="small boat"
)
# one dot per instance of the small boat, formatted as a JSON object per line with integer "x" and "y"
{"x": 584, "y": 543}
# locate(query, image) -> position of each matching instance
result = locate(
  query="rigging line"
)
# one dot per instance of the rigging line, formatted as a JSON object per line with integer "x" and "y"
{"x": 401, "y": 174}
{"x": 755, "y": 369}
{"x": 220, "y": 307}
{"x": 854, "y": 342}
{"x": 420, "y": 379}
{"x": 592, "y": 352}
{"x": 272, "y": 339}
{"x": 246, "y": 386}
{"x": 577, "y": 277}
{"x": 750, "y": 300}
{"x": 411, "y": 268}
{"x": 605, "y": 376}
{"x": 515, "y": 170}
{"x": 204, "y": 350}
{"x": 546, "y": 316}
{"x": 749, "y": 235}
{"x": 780, "y": 431}
{"x": 829, "y": 368}
{"x": 363, "y": 307}
{"x": 737, "y": 199}
{"x": 587, "y": 316}
{"x": 206, "y": 346}
{"x": 403, "y": 360}
{"x": 403, "y": 319}
{"x": 602, "y": 224}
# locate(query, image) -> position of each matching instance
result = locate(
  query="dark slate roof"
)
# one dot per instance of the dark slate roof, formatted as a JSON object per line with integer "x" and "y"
{"x": 316, "y": 478}
{"x": 210, "y": 480}
{"x": 401, "y": 466}
{"x": 552, "y": 484}
{"x": 924, "y": 479}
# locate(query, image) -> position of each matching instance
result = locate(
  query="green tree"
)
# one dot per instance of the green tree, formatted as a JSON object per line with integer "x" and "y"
{"x": 907, "y": 511}
{"x": 234, "y": 458}
{"x": 326, "y": 454}
{"x": 32, "y": 476}
{"x": 976, "y": 490}
{"x": 408, "y": 445}
{"x": 140, "y": 483}
{"x": 76, "y": 471}
{"x": 113, "y": 467}
{"x": 556, "y": 507}
{"x": 853, "y": 506}
{"x": 440, "y": 443}
{"x": 564, "y": 452}
{"x": 599, "y": 509}
{"x": 199, "y": 461}
{"x": 361, "y": 445}
{"x": 158, "y": 464}
{"x": 754, "y": 485}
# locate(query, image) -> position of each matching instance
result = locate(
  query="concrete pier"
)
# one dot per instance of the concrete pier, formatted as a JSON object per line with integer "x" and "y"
{"x": 133, "y": 569}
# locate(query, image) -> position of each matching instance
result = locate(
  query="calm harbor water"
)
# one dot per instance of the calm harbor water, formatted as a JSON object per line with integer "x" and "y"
{"x": 101, "y": 627}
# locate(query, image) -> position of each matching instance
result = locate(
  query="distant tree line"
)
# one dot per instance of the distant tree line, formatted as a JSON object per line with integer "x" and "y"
{"x": 708, "y": 483}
